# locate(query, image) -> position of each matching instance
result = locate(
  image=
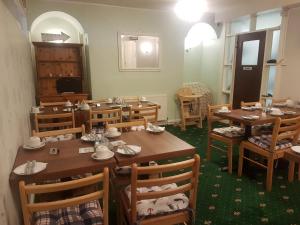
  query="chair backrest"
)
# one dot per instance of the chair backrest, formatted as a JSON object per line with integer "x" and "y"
{"x": 189, "y": 180}
{"x": 279, "y": 100}
{"x": 59, "y": 132}
{"x": 54, "y": 121}
{"x": 285, "y": 129}
{"x": 51, "y": 104}
{"x": 211, "y": 118}
{"x": 250, "y": 103}
{"x": 142, "y": 122}
{"x": 30, "y": 208}
{"x": 130, "y": 98}
{"x": 148, "y": 112}
{"x": 105, "y": 116}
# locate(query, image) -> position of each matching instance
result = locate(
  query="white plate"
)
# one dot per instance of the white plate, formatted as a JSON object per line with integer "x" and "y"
{"x": 90, "y": 139}
{"x": 160, "y": 130}
{"x": 135, "y": 148}
{"x": 34, "y": 148}
{"x": 39, "y": 166}
{"x": 224, "y": 111}
{"x": 276, "y": 114}
{"x": 117, "y": 134}
{"x": 107, "y": 155}
{"x": 296, "y": 149}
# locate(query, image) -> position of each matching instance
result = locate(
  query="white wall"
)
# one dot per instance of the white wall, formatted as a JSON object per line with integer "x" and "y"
{"x": 16, "y": 97}
{"x": 290, "y": 76}
{"x": 102, "y": 23}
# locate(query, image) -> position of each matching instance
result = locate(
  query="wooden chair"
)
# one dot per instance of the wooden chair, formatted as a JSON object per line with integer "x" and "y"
{"x": 149, "y": 112}
{"x": 142, "y": 122}
{"x": 54, "y": 121}
{"x": 213, "y": 136}
{"x": 190, "y": 180}
{"x": 52, "y": 104}
{"x": 250, "y": 103}
{"x": 59, "y": 132}
{"x": 284, "y": 129}
{"x": 105, "y": 116}
{"x": 29, "y": 208}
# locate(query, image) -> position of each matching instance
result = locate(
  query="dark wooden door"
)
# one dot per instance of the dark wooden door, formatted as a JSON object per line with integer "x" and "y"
{"x": 249, "y": 66}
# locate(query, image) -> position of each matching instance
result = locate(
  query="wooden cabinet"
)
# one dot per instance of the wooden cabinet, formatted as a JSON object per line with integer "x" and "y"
{"x": 55, "y": 62}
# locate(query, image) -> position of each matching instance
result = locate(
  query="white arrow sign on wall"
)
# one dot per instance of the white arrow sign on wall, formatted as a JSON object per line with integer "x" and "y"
{"x": 54, "y": 37}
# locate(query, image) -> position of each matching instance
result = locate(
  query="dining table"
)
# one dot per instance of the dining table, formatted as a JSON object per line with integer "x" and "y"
{"x": 238, "y": 116}
{"x": 82, "y": 116}
{"x": 69, "y": 162}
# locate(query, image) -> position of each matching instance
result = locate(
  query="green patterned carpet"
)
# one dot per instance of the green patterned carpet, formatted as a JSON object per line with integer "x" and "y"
{"x": 228, "y": 199}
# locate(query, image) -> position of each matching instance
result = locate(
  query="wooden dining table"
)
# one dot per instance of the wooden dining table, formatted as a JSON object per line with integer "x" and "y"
{"x": 236, "y": 115}
{"x": 70, "y": 163}
{"x": 82, "y": 116}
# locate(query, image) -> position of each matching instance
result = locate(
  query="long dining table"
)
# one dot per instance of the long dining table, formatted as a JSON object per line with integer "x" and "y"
{"x": 69, "y": 162}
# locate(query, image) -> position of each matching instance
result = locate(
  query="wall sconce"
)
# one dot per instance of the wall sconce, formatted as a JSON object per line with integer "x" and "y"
{"x": 190, "y": 10}
{"x": 146, "y": 48}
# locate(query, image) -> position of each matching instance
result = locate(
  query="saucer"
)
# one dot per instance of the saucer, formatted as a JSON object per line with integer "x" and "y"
{"x": 277, "y": 114}
{"x": 289, "y": 112}
{"x": 33, "y": 148}
{"x": 107, "y": 155}
{"x": 296, "y": 149}
{"x": 108, "y": 135}
{"x": 224, "y": 111}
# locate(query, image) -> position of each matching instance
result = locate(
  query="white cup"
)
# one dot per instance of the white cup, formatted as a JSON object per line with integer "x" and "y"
{"x": 33, "y": 142}
{"x": 85, "y": 106}
{"x": 109, "y": 100}
{"x": 143, "y": 98}
{"x": 35, "y": 109}
{"x": 68, "y": 104}
{"x": 258, "y": 105}
{"x": 100, "y": 150}
{"x": 224, "y": 109}
{"x": 276, "y": 111}
{"x": 112, "y": 130}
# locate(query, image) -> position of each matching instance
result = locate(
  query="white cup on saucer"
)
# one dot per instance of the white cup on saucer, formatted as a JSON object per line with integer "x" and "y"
{"x": 276, "y": 111}
{"x": 109, "y": 100}
{"x": 112, "y": 131}
{"x": 224, "y": 109}
{"x": 258, "y": 105}
{"x": 101, "y": 150}
{"x": 68, "y": 104}
{"x": 33, "y": 142}
{"x": 35, "y": 109}
{"x": 143, "y": 98}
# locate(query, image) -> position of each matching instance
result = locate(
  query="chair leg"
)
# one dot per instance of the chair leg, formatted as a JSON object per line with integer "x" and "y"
{"x": 291, "y": 171}
{"x": 229, "y": 158}
{"x": 298, "y": 171}
{"x": 241, "y": 160}
{"x": 208, "y": 151}
{"x": 269, "y": 174}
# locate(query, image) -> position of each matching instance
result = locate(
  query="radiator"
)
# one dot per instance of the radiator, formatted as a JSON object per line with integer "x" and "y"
{"x": 160, "y": 99}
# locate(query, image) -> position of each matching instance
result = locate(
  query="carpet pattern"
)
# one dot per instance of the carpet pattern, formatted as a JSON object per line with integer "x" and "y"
{"x": 227, "y": 199}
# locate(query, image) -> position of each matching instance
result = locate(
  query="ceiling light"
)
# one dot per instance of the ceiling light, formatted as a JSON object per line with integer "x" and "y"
{"x": 146, "y": 47}
{"x": 190, "y": 10}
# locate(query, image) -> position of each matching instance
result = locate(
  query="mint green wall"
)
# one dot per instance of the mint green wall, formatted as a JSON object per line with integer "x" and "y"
{"x": 203, "y": 64}
{"x": 102, "y": 23}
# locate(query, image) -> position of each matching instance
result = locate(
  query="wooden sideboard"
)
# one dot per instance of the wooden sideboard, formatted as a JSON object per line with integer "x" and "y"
{"x": 59, "y": 68}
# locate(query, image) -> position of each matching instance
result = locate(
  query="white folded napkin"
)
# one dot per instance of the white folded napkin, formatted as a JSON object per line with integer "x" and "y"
{"x": 39, "y": 166}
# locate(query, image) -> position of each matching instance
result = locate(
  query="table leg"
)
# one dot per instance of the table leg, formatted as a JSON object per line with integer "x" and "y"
{"x": 298, "y": 171}
{"x": 291, "y": 171}
{"x": 248, "y": 131}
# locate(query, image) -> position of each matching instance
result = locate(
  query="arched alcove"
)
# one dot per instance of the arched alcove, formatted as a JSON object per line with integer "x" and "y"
{"x": 56, "y": 22}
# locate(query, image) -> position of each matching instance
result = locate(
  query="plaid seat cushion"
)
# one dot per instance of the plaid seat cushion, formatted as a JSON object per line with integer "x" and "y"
{"x": 232, "y": 131}
{"x": 264, "y": 141}
{"x": 151, "y": 207}
{"x": 89, "y": 213}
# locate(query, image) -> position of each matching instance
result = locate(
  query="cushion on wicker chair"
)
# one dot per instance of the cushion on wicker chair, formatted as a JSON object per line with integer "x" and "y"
{"x": 89, "y": 213}
{"x": 151, "y": 207}
{"x": 264, "y": 141}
